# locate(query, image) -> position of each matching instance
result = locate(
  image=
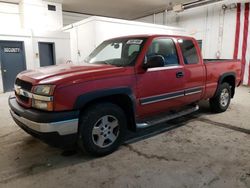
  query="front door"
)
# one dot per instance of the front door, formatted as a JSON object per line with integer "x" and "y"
{"x": 161, "y": 89}
{"x": 46, "y": 54}
{"x": 12, "y": 59}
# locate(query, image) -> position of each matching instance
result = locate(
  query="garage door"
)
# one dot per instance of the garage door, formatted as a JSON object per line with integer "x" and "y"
{"x": 12, "y": 62}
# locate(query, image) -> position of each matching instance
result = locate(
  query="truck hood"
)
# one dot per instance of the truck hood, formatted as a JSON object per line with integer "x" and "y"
{"x": 63, "y": 73}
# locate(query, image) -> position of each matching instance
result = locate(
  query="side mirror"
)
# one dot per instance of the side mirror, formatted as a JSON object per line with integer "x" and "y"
{"x": 155, "y": 61}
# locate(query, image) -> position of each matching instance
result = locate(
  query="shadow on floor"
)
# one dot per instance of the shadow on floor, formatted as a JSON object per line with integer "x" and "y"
{"x": 48, "y": 158}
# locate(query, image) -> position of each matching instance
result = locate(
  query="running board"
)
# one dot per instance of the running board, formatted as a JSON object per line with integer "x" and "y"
{"x": 165, "y": 118}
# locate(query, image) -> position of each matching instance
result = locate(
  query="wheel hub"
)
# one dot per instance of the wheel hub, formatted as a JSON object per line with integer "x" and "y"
{"x": 105, "y": 131}
{"x": 224, "y": 97}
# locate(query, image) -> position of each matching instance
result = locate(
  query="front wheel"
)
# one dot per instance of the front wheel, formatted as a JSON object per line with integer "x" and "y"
{"x": 101, "y": 129}
{"x": 220, "y": 102}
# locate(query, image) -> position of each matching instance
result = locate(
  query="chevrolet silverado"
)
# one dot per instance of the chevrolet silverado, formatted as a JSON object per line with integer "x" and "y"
{"x": 129, "y": 82}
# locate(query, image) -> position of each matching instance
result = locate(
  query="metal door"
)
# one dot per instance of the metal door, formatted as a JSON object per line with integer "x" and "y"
{"x": 12, "y": 57}
{"x": 46, "y": 53}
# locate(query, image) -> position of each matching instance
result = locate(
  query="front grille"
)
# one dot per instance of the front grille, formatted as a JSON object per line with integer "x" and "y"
{"x": 23, "y": 84}
{"x": 23, "y": 98}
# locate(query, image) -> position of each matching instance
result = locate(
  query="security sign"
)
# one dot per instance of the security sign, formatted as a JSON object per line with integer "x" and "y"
{"x": 11, "y": 50}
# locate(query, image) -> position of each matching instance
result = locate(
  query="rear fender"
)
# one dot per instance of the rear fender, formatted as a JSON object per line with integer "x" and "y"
{"x": 223, "y": 78}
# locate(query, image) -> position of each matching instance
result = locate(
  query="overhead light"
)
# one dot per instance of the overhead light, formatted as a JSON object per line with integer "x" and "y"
{"x": 178, "y": 8}
{"x": 198, "y": 3}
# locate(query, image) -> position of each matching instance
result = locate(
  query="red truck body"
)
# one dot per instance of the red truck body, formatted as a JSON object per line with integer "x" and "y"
{"x": 151, "y": 91}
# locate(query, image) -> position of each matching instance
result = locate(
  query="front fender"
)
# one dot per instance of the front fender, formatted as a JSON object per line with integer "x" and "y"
{"x": 85, "y": 98}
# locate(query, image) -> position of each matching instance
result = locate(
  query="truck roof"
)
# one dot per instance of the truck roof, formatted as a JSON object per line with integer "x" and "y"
{"x": 151, "y": 35}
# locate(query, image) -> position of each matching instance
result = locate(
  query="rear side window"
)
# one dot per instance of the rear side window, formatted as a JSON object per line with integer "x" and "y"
{"x": 132, "y": 49}
{"x": 189, "y": 52}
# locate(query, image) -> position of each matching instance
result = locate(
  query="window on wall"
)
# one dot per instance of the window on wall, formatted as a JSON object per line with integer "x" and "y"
{"x": 52, "y": 7}
{"x": 189, "y": 51}
{"x": 166, "y": 48}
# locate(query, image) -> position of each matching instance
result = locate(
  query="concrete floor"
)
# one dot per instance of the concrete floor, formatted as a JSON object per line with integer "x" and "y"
{"x": 201, "y": 150}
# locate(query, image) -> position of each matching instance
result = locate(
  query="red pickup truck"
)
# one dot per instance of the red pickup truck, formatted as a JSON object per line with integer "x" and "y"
{"x": 129, "y": 83}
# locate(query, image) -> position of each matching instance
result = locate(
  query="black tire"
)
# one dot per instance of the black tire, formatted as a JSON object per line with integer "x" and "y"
{"x": 90, "y": 119}
{"x": 216, "y": 103}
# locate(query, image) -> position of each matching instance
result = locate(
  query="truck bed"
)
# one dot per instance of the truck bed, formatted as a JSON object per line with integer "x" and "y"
{"x": 217, "y": 67}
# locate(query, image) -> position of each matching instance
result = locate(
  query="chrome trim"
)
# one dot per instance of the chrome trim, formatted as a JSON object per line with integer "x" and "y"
{"x": 186, "y": 92}
{"x": 142, "y": 125}
{"x": 193, "y": 90}
{"x": 42, "y": 98}
{"x": 192, "y": 93}
{"x": 197, "y": 87}
{"x": 61, "y": 127}
{"x": 165, "y": 68}
{"x": 28, "y": 94}
{"x": 164, "y": 99}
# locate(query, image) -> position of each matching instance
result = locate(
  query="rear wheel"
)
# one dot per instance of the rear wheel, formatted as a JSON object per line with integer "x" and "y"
{"x": 221, "y": 101}
{"x": 102, "y": 129}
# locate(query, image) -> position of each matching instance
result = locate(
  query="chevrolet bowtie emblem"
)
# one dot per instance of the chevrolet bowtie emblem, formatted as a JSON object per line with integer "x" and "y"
{"x": 18, "y": 88}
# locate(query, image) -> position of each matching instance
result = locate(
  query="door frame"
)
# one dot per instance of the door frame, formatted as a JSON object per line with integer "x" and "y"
{"x": 23, "y": 58}
{"x": 53, "y": 48}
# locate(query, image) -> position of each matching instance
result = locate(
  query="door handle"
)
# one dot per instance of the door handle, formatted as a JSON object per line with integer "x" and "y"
{"x": 179, "y": 74}
{"x": 4, "y": 70}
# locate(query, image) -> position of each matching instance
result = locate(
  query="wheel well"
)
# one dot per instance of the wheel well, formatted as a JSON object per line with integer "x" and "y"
{"x": 123, "y": 101}
{"x": 231, "y": 81}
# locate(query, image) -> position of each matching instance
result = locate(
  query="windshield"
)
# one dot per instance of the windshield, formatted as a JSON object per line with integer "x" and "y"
{"x": 117, "y": 52}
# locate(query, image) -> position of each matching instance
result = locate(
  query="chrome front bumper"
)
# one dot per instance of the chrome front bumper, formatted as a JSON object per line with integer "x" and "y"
{"x": 57, "y": 129}
{"x": 65, "y": 127}
{"x": 61, "y": 123}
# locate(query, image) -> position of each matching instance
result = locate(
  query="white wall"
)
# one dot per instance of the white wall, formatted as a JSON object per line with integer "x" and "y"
{"x": 32, "y": 22}
{"x": 83, "y": 41}
{"x": 146, "y": 19}
{"x": 214, "y": 26}
{"x": 9, "y": 15}
{"x": 158, "y": 18}
{"x": 35, "y": 15}
{"x": 89, "y": 33}
{"x": 70, "y": 17}
{"x": 31, "y": 39}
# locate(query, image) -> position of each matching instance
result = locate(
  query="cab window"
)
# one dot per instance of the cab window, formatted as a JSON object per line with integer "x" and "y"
{"x": 166, "y": 48}
{"x": 189, "y": 52}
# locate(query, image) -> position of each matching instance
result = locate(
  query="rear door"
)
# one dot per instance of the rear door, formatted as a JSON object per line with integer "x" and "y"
{"x": 161, "y": 88}
{"x": 195, "y": 73}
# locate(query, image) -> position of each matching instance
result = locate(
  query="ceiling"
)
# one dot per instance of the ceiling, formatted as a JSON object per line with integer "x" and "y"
{"x": 126, "y": 9}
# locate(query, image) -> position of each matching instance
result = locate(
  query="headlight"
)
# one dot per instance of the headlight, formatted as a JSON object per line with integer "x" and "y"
{"x": 43, "y": 105}
{"x": 42, "y": 97}
{"x": 44, "y": 89}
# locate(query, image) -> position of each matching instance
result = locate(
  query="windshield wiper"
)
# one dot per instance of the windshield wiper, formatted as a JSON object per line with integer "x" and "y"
{"x": 105, "y": 62}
